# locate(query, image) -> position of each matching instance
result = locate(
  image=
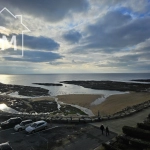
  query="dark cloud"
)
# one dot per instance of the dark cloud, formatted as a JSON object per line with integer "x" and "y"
{"x": 52, "y": 10}
{"x": 113, "y": 32}
{"x": 141, "y": 6}
{"x": 124, "y": 28}
{"x": 36, "y": 56}
{"x": 72, "y": 36}
{"x": 130, "y": 61}
{"x": 145, "y": 49}
{"x": 132, "y": 58}
{"x": 37, "y": 43}
{"x": 128, "y": 58}
{"x": 42, "y": 43}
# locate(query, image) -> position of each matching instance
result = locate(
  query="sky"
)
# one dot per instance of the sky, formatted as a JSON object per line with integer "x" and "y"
{"x": 76, "y": 36}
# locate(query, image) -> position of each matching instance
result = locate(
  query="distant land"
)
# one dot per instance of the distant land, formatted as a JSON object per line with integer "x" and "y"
{"x": 23, "y": 90}
{"x": 49, "y": 84}
{"x": 112, "y": 85}
{"x": 142, "y": 80}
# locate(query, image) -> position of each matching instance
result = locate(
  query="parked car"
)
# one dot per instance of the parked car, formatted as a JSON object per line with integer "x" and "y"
{"x": 24, "y": 124}
{"x": 5, "y": 146}
{"x": 10, "y": 123}
{"x": 36, "y": 126}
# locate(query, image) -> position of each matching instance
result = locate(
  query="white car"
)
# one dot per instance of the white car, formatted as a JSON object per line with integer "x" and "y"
{"x": 36, "y": 126}
{"x": 5, "y": 146}
{"x": 24, "y": 124}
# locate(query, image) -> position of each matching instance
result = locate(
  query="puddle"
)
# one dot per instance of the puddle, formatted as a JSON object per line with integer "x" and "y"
{"x": 58, "y": 105}
{"x": 99, "y": 100}
{"x": 5, "y": 108}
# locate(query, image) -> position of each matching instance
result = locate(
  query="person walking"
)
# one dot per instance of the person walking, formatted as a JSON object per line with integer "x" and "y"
{"x": 102, "y": 128}
{"x": 107, "y": 131}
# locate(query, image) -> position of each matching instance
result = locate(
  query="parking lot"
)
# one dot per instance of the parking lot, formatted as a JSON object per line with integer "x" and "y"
{"x": 23, "y": 141}
{"x": 56, "y": 136}
{"x": 59, "y": 137}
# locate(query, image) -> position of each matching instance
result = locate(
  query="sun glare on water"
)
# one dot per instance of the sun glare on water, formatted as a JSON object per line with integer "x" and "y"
{"x": 5, "y": 79}
{"x": 3, "y": 106}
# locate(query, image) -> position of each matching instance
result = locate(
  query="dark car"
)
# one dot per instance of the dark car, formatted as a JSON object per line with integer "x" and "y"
{"x": 5, "y": 146}
{"x": 10, "y": 123}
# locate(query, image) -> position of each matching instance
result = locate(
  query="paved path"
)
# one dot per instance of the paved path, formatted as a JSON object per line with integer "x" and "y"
{"x": 116, "y": 125}
{"x": 88, "y": 140}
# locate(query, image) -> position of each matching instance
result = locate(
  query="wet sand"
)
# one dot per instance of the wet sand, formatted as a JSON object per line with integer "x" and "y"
{"x": 111, "y": 105}
{"x": 83, "y": 100}
{"x": 42, "y": 98}
{"x": 116, "y": 103}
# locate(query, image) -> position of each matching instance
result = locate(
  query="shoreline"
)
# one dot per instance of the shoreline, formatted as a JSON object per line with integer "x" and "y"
{"x": 83, "y": 100}
{"x": 43, "y": 105}
{"x": 23, "y": 90}
{"x": 116, "y": 103}
{"x": 111, "y": 105}
{"x": 111, "y": 85}
{"x": 104, "y": 104}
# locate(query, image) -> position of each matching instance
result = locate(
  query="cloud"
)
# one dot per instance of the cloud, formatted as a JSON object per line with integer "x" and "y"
{"x": 42, "y": 43}
{"x": 85, "y": 34}
{"x": 113, "y": 32}
{"x": 72, "y": 36}
{"x": 51, "y": 10}
{"x": 143, "y": 47}
{"x": 36, "y": 56}
{"x": 35, "y": 43}
{"x": 132, "y": 62}
{"x": 134, "y": 5}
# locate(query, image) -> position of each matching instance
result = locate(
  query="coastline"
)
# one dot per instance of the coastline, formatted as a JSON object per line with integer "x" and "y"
{"x": 116, "y": 103}
{"x": 111, "y": 105}
{"x": 47, "y": 98}
{"x": 83, "y": 100}
{"x": 104, "y": 104}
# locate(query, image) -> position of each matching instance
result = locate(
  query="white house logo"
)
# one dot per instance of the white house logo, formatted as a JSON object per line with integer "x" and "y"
{"x": 11, "y": 39}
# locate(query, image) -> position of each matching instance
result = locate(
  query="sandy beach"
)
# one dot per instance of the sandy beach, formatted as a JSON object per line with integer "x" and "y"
{"x": 47, "y": 98}
{"x": 83, "y": 100}
{"x": 111, "y": 105}
{"x": 116, "y": 103}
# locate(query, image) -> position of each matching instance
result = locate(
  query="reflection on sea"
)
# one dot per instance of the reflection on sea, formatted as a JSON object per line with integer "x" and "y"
{"x": 5, "y": 108}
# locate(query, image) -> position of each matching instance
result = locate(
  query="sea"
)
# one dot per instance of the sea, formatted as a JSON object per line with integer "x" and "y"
{"x": 28, "y": 80}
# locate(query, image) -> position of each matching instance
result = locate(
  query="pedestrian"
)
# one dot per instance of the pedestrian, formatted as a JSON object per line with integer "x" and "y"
{"x": 102, "y": 128}
{"x": 107, "y": 131}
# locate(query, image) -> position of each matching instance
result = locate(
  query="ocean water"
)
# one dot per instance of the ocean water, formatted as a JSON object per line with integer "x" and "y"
{"x": 71, "y": 89}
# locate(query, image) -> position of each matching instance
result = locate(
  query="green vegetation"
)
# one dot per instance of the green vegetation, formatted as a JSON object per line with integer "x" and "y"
{"x": 67, "y": 109}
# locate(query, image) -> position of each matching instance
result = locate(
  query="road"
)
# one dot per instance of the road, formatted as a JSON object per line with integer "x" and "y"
{"x": 116, "y": 125}
{"x": 82, "y": 137}
{"x": 23, "y": 141}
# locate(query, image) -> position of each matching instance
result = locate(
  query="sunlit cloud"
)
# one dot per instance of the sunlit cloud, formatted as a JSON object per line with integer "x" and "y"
{"x": 78, "y": 36}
